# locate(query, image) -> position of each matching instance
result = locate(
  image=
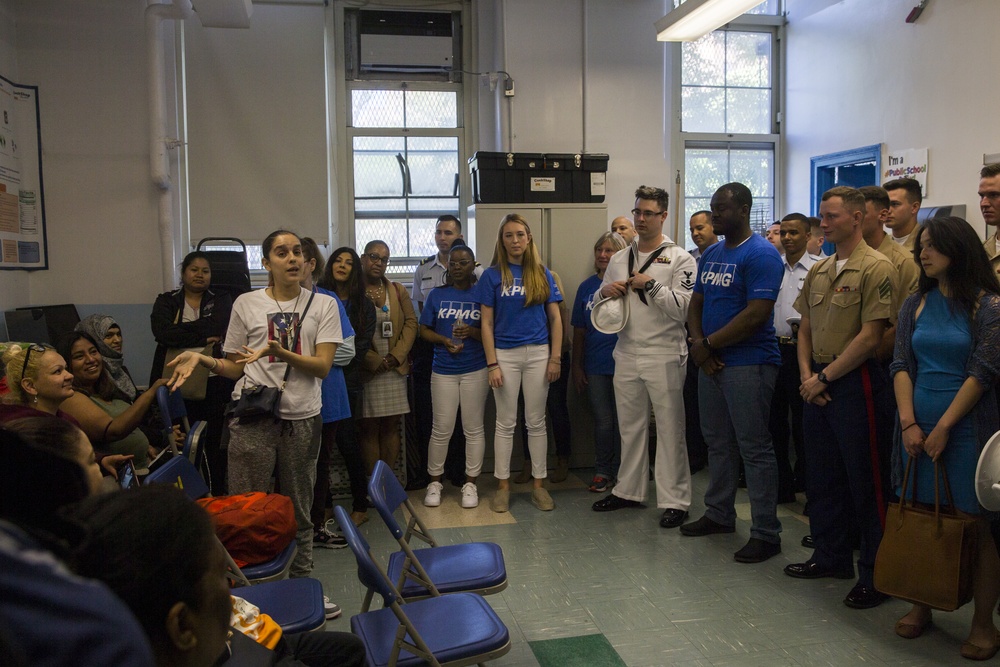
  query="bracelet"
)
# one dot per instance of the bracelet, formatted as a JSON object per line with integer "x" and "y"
{"x": 493, "y": 365}
{"x": 214, "y": 365}
{"x": 494, "y": 368}
{"x": 908, "y": 427}
{"x": 558, "y": 362}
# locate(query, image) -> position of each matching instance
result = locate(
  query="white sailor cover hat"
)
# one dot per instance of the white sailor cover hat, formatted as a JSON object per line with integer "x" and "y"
{"x": 610, "y": 315}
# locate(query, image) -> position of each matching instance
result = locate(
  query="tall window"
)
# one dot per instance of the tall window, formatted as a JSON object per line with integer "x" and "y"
{"x": 405, "y": 128}
{"x": 728, "y": 116}
{"x": 405, "y": 148}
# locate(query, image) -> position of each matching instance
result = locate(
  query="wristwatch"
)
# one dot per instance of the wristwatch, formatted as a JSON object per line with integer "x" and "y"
{"x": 821, "y": 376}
{"x": 649, "y": 284}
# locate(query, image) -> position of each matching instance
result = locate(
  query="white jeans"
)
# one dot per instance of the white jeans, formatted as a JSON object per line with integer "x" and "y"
{"x": 523, "y": 368}
{"x": 639, "y": 381}
{"x": 448, "y": 393}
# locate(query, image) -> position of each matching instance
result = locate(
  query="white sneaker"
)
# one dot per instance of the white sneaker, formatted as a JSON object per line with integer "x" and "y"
{"x": 470, "y": 495}
{"x": 330, "y": 610}
{"x": 433, "y": 497}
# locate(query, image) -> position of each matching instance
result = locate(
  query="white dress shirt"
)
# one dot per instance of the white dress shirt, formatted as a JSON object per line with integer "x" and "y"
{"x": 791, "y": 285}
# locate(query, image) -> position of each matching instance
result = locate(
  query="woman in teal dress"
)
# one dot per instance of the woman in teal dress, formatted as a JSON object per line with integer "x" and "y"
{"x": 947, "y": 358}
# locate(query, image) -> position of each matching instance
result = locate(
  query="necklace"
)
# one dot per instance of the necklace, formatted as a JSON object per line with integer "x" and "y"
{"x": 286, "y": 325}
{"x": 377, "y": 295}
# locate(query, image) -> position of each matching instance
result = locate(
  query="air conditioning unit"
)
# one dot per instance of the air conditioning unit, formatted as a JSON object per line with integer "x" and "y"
{"x": 383, "y": 43}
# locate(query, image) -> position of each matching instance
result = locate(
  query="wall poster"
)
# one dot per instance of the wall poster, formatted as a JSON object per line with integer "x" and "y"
{"x": 23, "y": 242}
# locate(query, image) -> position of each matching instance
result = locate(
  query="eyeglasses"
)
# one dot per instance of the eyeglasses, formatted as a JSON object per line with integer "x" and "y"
{"x": 34, "y": 347}
{"x": 459, "y": 264}
{"x": 637, "y": 213}
{"x": 376, "y": 258}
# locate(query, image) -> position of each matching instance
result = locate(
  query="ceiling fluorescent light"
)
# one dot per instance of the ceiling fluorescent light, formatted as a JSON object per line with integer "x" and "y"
{"x": 696, "y": 18}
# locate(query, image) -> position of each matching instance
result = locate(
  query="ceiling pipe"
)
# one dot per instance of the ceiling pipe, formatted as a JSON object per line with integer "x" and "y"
{"x": 159, "y": 160}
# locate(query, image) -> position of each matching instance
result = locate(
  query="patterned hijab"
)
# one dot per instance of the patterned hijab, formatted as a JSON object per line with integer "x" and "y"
{"x": 97, "y": 327}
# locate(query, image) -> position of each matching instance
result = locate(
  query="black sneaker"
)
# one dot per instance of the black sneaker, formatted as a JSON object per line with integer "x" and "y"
{"x": 327, "y": 540}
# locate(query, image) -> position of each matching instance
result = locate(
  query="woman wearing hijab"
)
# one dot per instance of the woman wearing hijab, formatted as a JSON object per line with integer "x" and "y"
{"x": 108, "y": 336}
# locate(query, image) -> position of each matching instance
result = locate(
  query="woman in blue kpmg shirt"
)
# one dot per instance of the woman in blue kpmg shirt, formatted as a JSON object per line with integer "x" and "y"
{"x": 522, "y": 338}
{"x": 451, "y": 321}
{"x": 594, "y": 368}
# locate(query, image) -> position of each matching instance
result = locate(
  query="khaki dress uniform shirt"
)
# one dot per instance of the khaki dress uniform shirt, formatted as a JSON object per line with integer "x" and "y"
{"x": 906, "y": 267}
{"x": 991, "y": 251}
{"x": 838, "y": 304}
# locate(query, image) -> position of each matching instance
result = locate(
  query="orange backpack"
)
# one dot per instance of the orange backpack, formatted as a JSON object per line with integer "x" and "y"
{"x": 254, "y": 527}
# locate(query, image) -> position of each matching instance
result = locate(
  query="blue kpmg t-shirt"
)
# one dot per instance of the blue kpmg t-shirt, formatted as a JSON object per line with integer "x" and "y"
{"x": 444, "y": 305}
{"x": 598, "y": 347}
{"x": 336, "y": 406}
{"x": 514, "y": 324}
{"x": 730, "y": 277}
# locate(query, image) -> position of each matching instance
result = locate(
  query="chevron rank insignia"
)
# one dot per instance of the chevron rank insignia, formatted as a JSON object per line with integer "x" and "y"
{"x": 885, "y": 289}
{"x": 687, "y": 282}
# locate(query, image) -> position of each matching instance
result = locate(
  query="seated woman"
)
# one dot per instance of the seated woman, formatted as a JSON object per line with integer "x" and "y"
{"x": 50, "y": 616}
{"x": 944, "y": 374}
{"x": 37, "y": 382}
{"x": 193, "y": 316}
{"x": 184, "y": 608}
{"x": 108, "y": 420}
{"x": 107, "y": 336}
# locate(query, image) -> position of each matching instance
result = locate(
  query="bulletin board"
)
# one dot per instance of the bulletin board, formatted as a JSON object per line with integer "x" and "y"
{"x": 23, "y": 241}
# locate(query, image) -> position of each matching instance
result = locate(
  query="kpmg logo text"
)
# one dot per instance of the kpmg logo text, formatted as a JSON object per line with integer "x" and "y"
{"x": 453, "y": 310}
{"x": 718, "y": 274}
{"x": 517, "y": 289}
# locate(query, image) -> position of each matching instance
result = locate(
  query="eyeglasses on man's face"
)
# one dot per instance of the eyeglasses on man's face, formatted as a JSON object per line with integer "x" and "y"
{"x": 645, "y": 215}
{"x": 376, "y": 258}
{"x": 459, "y": 264}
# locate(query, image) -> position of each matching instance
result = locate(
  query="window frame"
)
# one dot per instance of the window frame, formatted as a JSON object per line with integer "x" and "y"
{"x": 342, "y": 135}
{"x": 774, "y": 25}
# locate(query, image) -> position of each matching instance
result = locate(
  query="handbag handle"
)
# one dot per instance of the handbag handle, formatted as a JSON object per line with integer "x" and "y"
{"x": 939, "y": 472}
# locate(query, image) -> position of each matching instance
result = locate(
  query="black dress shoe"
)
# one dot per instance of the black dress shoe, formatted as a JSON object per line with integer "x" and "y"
{"x": 705, "y": 526}
{"x": 863, "y": 597}
{"x": 808, "y": 542}
{"x": 810, "y": 570}
{"x": 672, "y": 518}
{"x": 611, "y": 502}
{"x": 757, "y": 551}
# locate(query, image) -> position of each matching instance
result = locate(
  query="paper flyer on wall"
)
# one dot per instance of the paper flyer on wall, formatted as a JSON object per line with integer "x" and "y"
{"x": 23, "y": 244}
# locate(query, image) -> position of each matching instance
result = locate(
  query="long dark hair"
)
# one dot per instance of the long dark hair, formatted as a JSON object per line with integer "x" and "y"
{"x": 969, "y": 272}
{"x": 355, "y": 286}
{"x": 104, "y": 388}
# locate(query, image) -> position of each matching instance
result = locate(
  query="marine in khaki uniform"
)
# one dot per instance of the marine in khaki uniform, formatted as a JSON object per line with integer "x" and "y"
{"x": 989, "y": 205}
{"x": 904, "y": 202}
{"x": 846, "y": 303}
{"x": 873, "y": 232}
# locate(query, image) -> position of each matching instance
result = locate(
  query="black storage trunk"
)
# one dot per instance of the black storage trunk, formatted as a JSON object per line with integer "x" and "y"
{"x": 590, "y": 179}
{"x": 554, "y": 178}
{"x": 495, "y": 180}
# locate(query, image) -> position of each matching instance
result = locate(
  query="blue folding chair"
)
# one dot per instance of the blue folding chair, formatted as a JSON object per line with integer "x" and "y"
{"x": 173, "y": 412}
{"x": 458, "y": 629}
{"x": 294, "y": 604}
{"x": 181, "y": 473}
{"x": 476, "y": 567}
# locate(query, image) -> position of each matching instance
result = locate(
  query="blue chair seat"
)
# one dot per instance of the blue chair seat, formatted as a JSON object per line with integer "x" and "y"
{"x": 273, "y": 569}
{"x": 477, "y": 566}
{"x": 454, "y": 627}
{"x": 294, "y": 604}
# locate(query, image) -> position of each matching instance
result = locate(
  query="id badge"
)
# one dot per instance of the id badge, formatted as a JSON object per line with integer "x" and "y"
{"x": 387, "y": 329}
